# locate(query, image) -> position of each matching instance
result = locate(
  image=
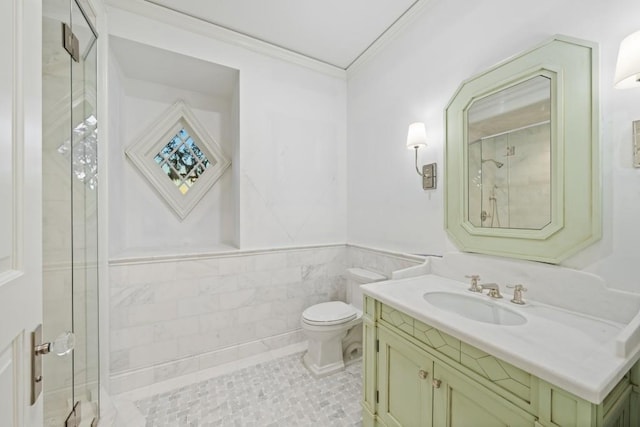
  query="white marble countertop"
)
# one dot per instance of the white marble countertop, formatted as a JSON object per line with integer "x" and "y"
{"x": 570, "y": 350}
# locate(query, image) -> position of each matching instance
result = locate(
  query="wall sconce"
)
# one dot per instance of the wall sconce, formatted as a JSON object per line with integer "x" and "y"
{"x": 628, "y": 66}
{"x": 628, "y": 76}
{"x": 416, "y": 138}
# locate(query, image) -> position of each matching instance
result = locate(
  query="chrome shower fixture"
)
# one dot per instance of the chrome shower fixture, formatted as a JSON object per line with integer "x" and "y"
{"x": 495, "y": 162}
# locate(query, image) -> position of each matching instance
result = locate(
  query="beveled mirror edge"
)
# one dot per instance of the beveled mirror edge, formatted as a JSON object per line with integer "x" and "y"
{"x": 581, "y": 229}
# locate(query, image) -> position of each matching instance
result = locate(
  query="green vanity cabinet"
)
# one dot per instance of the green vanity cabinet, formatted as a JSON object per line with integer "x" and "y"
{"x": 418, "y": 376}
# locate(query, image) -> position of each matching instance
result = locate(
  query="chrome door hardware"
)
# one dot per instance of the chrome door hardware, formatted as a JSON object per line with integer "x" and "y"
{"x": 73, "y": 420}
{"x": 70, "y": 42}
{"x": 423, "y": 374}
{"x": 61, "y": 346}
{"x": 36, "y": 364}
{"x": 436, "y": 383}
{"x": 41, "y": 349}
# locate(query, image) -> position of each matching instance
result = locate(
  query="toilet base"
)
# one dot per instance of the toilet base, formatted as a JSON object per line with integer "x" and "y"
{"x": 352, "y": 345}
{"x": 328, "y": 352}
{"x": 324, "y": 370}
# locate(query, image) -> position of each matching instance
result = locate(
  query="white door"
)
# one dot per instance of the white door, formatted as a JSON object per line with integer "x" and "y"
{"x": 20, "y": 207}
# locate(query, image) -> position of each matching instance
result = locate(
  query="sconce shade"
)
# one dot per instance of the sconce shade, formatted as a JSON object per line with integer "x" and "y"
{"x": 628, "y": 66}
{"x": 417, "y": 135}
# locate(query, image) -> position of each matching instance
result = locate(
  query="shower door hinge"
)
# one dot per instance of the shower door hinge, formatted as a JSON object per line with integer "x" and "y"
{"x": 73, "y": 420}
{"x": 70, "y": 42}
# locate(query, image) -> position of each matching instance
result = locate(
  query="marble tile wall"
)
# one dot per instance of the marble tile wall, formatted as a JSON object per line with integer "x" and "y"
{"x": 177, "y": 316}
{"x": 380, "y": 261}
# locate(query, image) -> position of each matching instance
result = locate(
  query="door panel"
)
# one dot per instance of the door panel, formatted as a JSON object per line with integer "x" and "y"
{"x": 404, "y": 375}
{"x": 7, "y": 368}
{"x": 20, "y": 206}
{"x": 460, "y": 402}
{"x": 7, "y": 30}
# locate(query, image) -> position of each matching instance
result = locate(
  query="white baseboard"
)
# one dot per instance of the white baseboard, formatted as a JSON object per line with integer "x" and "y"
{"x": 195, "y": 364}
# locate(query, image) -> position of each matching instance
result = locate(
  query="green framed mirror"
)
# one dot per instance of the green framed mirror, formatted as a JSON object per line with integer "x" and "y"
{"x": 522, "y": 165}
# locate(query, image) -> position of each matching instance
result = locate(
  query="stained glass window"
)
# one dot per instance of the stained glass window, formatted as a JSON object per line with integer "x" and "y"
{"x": 182, "y": 161}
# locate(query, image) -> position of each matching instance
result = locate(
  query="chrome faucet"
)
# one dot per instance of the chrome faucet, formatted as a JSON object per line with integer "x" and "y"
{"x": 474, "y": 283}
{"x": 517, "y": 293}
{"x": 494, "y": 289}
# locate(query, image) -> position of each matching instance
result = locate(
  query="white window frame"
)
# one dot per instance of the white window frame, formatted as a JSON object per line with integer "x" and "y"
{"x": 153, "y": 139}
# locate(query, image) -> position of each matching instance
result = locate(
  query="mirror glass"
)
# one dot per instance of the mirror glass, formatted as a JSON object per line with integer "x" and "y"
{"x": 509, "y": 157}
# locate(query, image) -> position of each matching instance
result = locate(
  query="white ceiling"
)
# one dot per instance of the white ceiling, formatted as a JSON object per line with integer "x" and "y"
{"x": 335, "y": 32}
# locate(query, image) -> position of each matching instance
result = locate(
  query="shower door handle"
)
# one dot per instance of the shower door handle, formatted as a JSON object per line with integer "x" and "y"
{"x": 62, "y": 345}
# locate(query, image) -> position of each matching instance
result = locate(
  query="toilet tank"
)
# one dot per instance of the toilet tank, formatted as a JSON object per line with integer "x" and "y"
{"x": 355, "y": 278}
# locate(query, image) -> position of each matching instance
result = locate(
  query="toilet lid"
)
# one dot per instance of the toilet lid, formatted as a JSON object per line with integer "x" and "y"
{"x": 329, "y": 313}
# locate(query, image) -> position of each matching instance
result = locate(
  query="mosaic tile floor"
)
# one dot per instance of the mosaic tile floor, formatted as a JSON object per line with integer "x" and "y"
{"x": 278, "y": 393}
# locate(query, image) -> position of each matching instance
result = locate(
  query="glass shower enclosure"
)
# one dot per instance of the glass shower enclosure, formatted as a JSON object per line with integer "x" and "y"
{"x": 70, "y": 213}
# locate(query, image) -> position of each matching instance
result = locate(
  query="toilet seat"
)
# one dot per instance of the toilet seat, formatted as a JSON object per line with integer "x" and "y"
{"x": 329, "y": 313}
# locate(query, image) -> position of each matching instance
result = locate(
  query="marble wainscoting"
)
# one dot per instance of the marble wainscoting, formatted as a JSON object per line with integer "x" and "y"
{"x": 379, "y": 260}
{"x": 174, "y": 316}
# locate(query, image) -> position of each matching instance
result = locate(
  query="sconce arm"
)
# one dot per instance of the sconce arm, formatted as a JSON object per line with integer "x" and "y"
{"x": 417, "y": 168}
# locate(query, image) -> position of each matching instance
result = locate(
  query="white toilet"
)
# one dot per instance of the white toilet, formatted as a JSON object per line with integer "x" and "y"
{"x": 334, "y": 329}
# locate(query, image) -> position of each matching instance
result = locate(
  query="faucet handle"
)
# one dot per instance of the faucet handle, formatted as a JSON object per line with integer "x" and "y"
{"x": 517, "y": 293}
{"x": 474, "y": 283}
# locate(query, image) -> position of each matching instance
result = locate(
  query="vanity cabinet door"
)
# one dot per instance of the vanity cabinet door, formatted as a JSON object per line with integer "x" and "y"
{"x": 404, "y": 383}
{"x": 461, "y": 402}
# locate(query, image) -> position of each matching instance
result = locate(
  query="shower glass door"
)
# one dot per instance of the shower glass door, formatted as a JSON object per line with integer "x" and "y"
{"x": 84, "y": 196}
{"x": 69, "y": 188}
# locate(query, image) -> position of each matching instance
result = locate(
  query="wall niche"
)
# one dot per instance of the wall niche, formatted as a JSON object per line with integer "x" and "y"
{"x": 144, "y": 83}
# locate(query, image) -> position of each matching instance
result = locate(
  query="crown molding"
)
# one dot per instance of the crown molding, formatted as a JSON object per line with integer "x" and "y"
{"x": 208, "y": 29}
{"x": 387, "y": 36}
{"x": 172, "y": 17}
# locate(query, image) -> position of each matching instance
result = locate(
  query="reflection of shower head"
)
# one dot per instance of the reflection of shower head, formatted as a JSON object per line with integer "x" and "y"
{"x": 495, "y": 162}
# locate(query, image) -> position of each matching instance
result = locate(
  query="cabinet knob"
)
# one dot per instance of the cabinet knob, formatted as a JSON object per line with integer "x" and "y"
{"x": 423, "y": 374}
{"x": 436, "y": 383}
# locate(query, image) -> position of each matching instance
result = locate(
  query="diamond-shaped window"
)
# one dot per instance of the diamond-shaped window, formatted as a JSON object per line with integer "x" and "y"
{"x": 179, "y": 158}
{"x": 183, "y": 161}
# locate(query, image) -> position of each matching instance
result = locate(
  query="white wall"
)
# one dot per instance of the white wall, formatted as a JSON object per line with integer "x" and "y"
{"x": 115, "y": 103}
{"x": 291, "y": 157}
{"x": 413, "y": 79}
{"x": 289, "y": 165}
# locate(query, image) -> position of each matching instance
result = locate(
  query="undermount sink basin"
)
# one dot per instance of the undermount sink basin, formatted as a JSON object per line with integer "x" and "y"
{"x": 474, "y": 308}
